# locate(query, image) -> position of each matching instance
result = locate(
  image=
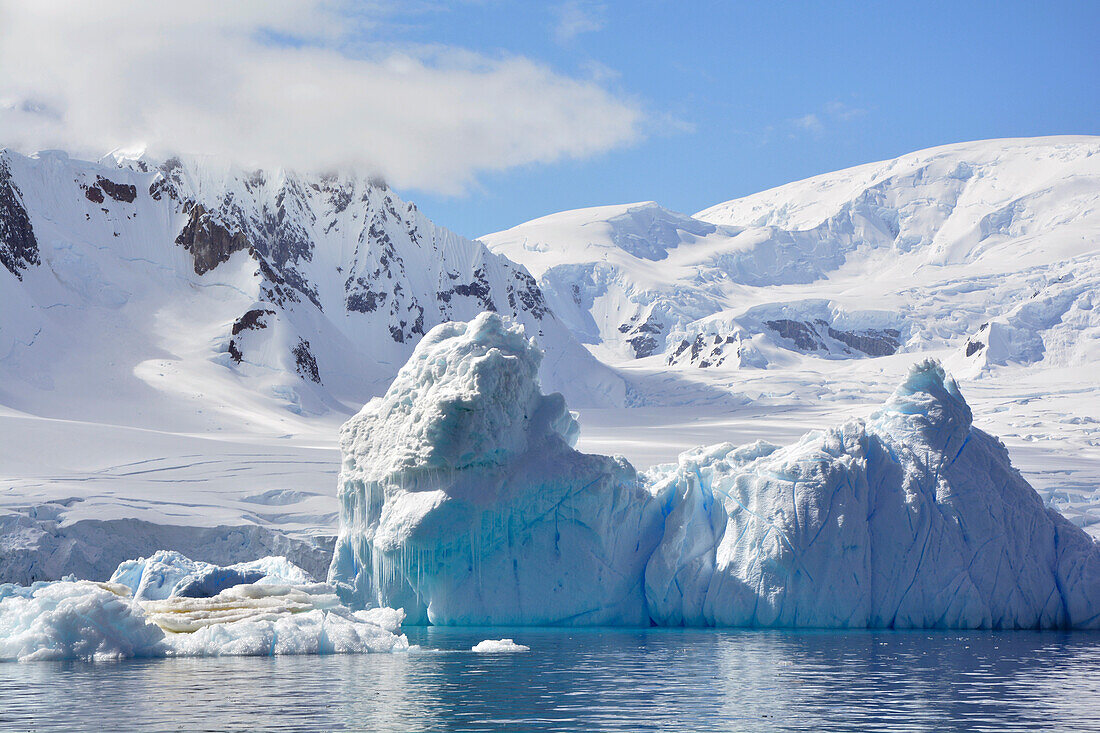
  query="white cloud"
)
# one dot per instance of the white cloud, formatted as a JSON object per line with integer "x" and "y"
{"x": 841, "y": 111}
{"x": 809, "y": 123}
{"x": 269, "y": 83}
{"x": 575, "y": 17}
{"x": 815, "y": 123}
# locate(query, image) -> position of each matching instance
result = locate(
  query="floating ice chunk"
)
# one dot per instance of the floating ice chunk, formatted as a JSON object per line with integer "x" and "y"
{"x": 243, "y": 602}
{"x": 276, "y": 570}
{"x": 165, "y": 574}
{"x": 86, "y": 620}
{"x": 76, "y": 620}
{"x": 332, "y": 631}
{"x": 499, "y": 645}
{"x": 463, "y": 501}
{"x": 154, "y": 577}
{"x": 213, "y": 581}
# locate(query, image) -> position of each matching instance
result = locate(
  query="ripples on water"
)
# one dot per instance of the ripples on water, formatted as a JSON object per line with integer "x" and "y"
{"x": 600, "y": 679}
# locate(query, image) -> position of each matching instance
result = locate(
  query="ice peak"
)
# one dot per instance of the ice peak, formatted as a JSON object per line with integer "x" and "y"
{"x": 469, "y": 396}
{"x": 929, "y": 402}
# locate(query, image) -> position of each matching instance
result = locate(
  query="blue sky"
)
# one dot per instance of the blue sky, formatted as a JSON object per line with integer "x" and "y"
{"x": 743, "y": 96}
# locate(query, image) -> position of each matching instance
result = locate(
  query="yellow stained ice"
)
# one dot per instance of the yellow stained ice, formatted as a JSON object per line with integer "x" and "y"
{"x": 239, "y": 603}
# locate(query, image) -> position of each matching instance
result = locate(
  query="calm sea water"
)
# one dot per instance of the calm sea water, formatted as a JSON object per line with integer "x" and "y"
{"x": 615, "y": 680}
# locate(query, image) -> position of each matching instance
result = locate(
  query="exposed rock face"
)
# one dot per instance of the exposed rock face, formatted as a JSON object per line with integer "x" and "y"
{"x": 124, "y": 192}
{"x": 18, "y": 246}
{"x": 809, "y": 336}
{"x": 209, "y": 242}
{"x": 306, "y": 363}
{"x": 306, "y": 280}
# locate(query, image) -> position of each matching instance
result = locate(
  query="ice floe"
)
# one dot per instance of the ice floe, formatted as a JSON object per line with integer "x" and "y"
{"x": 498, "y": 646}
{"x": 89, "y": 620}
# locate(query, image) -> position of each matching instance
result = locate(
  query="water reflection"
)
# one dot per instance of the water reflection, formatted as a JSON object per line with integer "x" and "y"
{"x": 592, "y": 679}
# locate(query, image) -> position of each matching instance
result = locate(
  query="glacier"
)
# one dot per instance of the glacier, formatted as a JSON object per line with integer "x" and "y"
{"x": 464, "y": 502}
{"x": 278, "y": 612}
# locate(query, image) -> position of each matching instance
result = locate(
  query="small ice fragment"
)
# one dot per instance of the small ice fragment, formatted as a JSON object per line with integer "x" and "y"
{"x": 499, "y": 645}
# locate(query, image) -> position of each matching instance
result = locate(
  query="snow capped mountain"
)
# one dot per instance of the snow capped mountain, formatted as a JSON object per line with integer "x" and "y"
{"x": 926, "y": 251}
{"x": 130, "y": 282}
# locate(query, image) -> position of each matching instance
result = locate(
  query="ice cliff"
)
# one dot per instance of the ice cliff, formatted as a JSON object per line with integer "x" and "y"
{"x": 463, "y": 502}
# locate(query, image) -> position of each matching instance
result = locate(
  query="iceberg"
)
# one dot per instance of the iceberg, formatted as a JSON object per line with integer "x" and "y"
{"x": 96, "y": 621}
{"x": 912, "y": 518}
{"x": 463, "y": 502}
{"x": 166, "y": 573}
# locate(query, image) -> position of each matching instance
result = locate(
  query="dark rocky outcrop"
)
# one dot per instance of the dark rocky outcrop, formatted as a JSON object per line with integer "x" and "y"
{"x": 94, "y": 194}
{"x": 18, "y": 246}
{"x": 208, "y": 240}
{"x": 124, "y": 192}
{"x": 645, "y": 336}
{"x": 810, "y": 336}
{"x": 306, "y": 362}
{"x": 252, "y": 320}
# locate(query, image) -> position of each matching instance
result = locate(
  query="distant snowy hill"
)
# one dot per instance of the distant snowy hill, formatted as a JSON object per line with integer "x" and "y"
{"x": 990, "y": 247}
{"x": 152, "y": 291}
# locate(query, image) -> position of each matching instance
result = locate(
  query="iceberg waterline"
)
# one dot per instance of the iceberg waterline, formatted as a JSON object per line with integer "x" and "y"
{"x": 464, "y": 502}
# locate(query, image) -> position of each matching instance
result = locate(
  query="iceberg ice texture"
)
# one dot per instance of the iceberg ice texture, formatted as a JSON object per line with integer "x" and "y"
{"x": 166, "y": 574}
{"x": 463, "y": 502}
{"x": 88, "y": 620}
{"x": 912, "y": 518}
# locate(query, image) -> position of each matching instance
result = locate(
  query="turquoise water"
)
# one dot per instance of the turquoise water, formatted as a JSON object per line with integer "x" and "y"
{"x": 600, "y": 679}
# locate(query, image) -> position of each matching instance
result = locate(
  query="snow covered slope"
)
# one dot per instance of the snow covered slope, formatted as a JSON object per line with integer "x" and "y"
{"x": 128, "y": 282}
{"x": 912, "y": 254}
{"x": 463, "y": 502}
{"x": 814, "y": 298}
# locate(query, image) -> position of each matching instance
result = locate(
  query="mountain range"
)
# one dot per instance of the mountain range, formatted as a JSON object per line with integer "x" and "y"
{"x": 180, "y": 339}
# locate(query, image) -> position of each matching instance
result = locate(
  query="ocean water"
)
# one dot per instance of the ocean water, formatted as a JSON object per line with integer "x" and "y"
{"x": 592, "y": 679}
